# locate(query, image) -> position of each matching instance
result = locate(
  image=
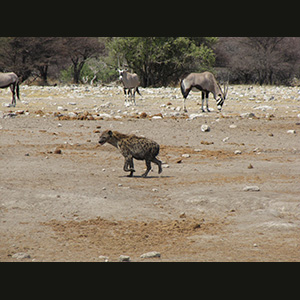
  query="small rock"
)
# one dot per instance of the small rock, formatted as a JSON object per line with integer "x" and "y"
{"x": 21, "y": 255}
{"x": 150, "y": 254}
{"x": 226, "y": 139}
{"x": 248, "y": 115}
{"x": 124, "y": 258}
{"x": 237, "y": 152}
{"x": 57, "y": 151}
{"x": 291, "y": 131}
{"x": 143, "y": 115}
{"x": 156, "y": 118}
{"x": 250, "y": 167}
{"x": 251, "y": 189}
{"x": 232, "y": 126}
{"x": 154, "y": 190}
{"x": 264, "y": 107}
{"x": 104, "y": 258}
{"x": 60, "y": 108}
{"x": 186, "y": 155}
{"x": 205, "y": 128}
{"x": 72, "y": 114}
{"x": 195, "y": 116}
{"x": 182, "y": 215}
{"x": 104, "y": 115}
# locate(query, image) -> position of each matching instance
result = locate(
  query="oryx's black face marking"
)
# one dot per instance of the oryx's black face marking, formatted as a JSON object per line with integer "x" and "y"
{"x": 220, "y": 102}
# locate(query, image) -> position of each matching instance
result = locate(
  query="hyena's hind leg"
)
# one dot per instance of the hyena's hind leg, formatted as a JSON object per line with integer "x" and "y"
{"x": 148, "y": 164}
{"x": 159, "y": 163}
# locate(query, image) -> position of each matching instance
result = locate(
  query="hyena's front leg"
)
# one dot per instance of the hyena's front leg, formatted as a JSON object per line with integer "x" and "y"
{"x": 148, "y": 164}
{"x": 129, "y": 163}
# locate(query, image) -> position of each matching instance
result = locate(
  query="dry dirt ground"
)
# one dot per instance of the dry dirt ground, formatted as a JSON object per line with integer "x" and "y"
{"x": 63, "y": 197}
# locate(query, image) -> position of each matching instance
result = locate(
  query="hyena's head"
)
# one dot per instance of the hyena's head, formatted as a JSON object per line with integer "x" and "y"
{"x": 105, "y": 137}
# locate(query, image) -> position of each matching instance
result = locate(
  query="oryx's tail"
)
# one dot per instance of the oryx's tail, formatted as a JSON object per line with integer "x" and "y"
{"x": 18, "y": 90}
{"x": 183, "y": 89}
{"x": 137, "y": 89}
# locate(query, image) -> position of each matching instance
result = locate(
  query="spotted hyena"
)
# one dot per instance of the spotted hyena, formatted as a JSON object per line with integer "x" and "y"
{"x": 133, "y": 147}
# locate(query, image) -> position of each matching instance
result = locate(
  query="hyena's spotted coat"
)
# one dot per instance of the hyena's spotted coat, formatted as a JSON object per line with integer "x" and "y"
{"x": 133, "y": 147}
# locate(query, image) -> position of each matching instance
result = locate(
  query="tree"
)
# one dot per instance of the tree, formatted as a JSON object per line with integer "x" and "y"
{"x": 15, "y": 56}
{"x": 45, "y": 52}
{"x": 162, "y": 60}
{"x": 266, "y": 60}
{"x": 29, "y": 55}
{"x": 79, "y": 49}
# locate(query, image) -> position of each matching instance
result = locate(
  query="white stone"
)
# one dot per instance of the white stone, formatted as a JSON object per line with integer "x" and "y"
{"x": 247, "y": 115}
{"x": 150, "y": 254}
{"x": 156, "y": 118}
{"x": 21, "y": 255}
{"x": 195, "y": 116}
{"x": 251, "y": 189}
{"x": 124, "y": 258}
{"x": 291, "y": 131}
{"x": 104, "y": 115}
{"x": 205, "y": 128}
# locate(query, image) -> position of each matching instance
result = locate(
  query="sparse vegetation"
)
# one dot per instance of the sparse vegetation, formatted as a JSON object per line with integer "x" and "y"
{"x": 159, "y": 61}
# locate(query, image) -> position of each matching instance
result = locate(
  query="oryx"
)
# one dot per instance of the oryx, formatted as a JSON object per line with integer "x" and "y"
{"x": 10, "y": 80}
{"x": 207, "y": 83}
{"x": 130, "y": 82}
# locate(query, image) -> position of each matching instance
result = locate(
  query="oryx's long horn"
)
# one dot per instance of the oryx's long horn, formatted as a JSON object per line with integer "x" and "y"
{"x": 226, "y": 87}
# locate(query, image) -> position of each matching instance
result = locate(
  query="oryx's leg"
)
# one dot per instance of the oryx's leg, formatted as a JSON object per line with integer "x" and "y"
{"x": 13, "y": 90}
{"x": 207, "y": 95}
{"x": 134, "y": 91}
{"x": 130, "y": 92}
{"x": 125, "y": 93}
{"x": 185, "y": 95}
{"x": 148, "y": 164}
{"x": 184, "y": 107}
{"x": 202, "y": 104}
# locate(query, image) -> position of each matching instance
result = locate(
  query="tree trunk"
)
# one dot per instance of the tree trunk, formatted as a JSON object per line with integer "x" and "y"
{"x": 44, "y": 74}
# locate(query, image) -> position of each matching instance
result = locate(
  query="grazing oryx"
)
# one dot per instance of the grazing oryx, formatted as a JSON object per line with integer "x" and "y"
{"x": 10, "y": 80}
{"x": 130, "y": 82}
{"x": 207, "y": 83}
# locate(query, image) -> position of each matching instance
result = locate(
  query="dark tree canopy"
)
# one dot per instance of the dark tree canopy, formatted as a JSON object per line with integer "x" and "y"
{"x": 159, "y": 61}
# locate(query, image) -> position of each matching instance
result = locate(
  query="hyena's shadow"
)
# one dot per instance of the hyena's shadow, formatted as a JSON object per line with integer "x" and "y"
{"x": 148, "y": 177}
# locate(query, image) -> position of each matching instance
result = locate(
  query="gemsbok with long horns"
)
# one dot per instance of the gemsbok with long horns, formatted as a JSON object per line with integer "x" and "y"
{"x": 206, "y": 83}
{"x": 131, "y": 84}
{"x": 10, "y": 80}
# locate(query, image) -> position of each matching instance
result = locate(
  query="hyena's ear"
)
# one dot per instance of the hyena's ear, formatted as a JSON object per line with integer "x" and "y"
{"x": 110, "y": 133}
